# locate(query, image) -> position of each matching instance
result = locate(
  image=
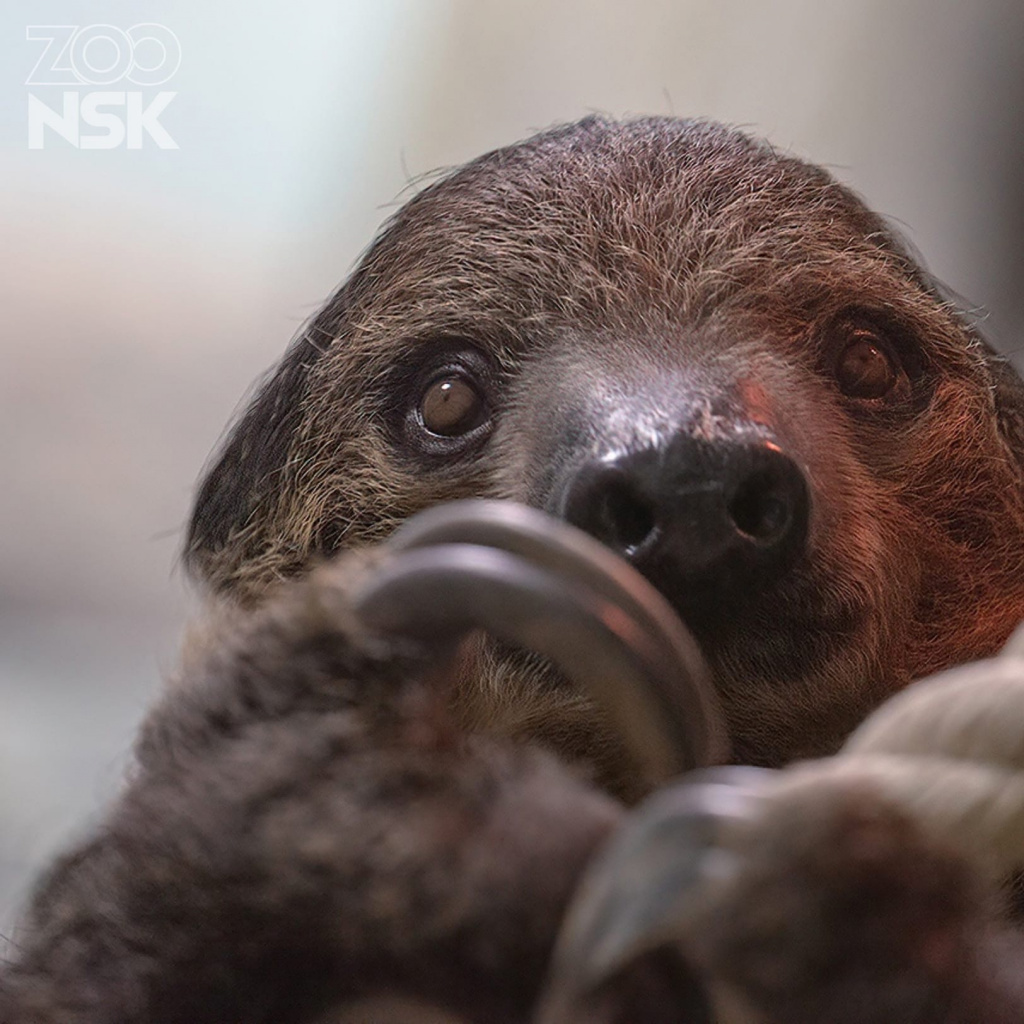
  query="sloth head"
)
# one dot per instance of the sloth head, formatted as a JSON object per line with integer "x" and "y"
{"x": 713, "y": 358}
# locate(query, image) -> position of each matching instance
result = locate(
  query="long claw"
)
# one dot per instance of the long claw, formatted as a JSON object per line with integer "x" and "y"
{"x": 642, "y": 890}
{"x": 545, "y": 586}
{"x": 566, "y": 551}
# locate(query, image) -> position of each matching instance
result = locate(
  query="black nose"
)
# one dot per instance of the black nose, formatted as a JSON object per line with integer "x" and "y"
{"x": 702, "y": 519}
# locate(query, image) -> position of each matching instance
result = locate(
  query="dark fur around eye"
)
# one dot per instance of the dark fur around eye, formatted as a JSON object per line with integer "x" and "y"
{"x": 443, "y": 400}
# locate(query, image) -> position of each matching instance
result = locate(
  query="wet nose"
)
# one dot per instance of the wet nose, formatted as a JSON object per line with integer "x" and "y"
{"x": 718, "y": 518}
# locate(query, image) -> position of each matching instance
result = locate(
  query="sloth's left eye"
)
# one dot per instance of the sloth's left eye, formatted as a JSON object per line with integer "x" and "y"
{"x": 865, "y": 367}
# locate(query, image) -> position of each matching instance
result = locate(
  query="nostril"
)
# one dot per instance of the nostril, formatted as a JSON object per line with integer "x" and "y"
{"x": 627, "y": 518}
{"x": 717, "y": 516}
{"x": 760, "y": 507}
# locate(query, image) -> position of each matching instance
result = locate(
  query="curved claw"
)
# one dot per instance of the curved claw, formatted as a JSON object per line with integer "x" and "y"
{"x": 572, "y": 554}
{"x": 643, "y": 890}
{"x": 539, "y": 583}
{"x": 443, "y": 592}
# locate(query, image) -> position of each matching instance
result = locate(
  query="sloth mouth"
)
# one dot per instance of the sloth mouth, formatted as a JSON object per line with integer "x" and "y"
{"x": 538, "y": 583}
{"x": 547, "y": 592}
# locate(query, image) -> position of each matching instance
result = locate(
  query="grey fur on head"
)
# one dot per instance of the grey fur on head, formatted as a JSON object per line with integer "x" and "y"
{"x": 638, "y": 273}
{"x": 718, "y": 360}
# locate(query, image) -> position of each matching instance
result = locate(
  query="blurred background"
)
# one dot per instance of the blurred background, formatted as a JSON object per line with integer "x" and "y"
{"x": 143, "y": 289}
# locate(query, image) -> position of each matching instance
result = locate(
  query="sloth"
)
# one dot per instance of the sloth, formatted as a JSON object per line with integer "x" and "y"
{"x": 714, "y": 359}
{"x": 717, "y": 361}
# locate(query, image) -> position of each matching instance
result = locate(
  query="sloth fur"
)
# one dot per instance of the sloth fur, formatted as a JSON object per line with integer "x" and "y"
{"x": 310, "y": 825}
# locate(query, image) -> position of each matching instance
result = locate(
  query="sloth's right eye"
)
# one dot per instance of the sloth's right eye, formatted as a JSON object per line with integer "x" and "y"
{"x": 445, "y": 404}
{"x": 452, "y": 405}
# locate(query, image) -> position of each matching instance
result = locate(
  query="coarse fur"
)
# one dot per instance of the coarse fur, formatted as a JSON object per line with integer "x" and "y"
{"x": 307, "y": 838}
{"x": 304, "y": 830}
{"x": 318, "y": 820}
{"x": 645, "y": 271}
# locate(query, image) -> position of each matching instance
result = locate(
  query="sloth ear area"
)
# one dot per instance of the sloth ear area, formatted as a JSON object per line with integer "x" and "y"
{"x": 1008, "y": 395}
{"x": 245, "y": 473}
{"x": 1005, "y": 379}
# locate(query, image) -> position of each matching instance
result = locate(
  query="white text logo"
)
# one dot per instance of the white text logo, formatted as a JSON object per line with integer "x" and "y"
{"x": 73, "y": 56}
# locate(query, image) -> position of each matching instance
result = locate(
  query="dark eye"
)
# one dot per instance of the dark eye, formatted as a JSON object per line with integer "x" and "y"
{"x": 445, "y": 401}
{"x": 865, "y": 369}
{"x": 451, "y": 406}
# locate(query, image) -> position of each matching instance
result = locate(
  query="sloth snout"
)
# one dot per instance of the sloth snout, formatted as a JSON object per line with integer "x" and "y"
{"x": 708, "y": 521}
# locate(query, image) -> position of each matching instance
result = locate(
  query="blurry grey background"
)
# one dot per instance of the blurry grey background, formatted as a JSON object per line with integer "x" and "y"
{"x": 142, "y": 291}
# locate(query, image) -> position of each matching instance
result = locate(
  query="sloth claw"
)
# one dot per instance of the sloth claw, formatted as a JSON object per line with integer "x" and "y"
{"x": 545, "y": 586}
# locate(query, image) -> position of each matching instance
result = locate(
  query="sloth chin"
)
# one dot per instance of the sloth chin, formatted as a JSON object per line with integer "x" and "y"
{"x": 778, "y": 665}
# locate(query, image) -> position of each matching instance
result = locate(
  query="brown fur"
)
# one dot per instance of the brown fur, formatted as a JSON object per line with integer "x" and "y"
{"x": 305, "y": 830}
{"x": 306, "y": 837}
{"x": 845, "y": 913}
{"x": 627, "y": 253}
{"x": 308, "y": 834}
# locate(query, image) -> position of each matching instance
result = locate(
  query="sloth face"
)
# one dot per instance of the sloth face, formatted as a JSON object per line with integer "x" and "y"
{"x": 711, "y": 357}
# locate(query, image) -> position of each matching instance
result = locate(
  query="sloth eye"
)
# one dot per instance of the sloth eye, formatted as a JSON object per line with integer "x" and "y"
{"x": 864, "y": 368}
{"x": 452, "y": 406}
{"x": 444, "y": 403}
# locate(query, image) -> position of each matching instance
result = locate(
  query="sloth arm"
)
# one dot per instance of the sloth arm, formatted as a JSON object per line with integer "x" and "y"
{"x": 846, "y": 912}
{"x": 303, "y": 829}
